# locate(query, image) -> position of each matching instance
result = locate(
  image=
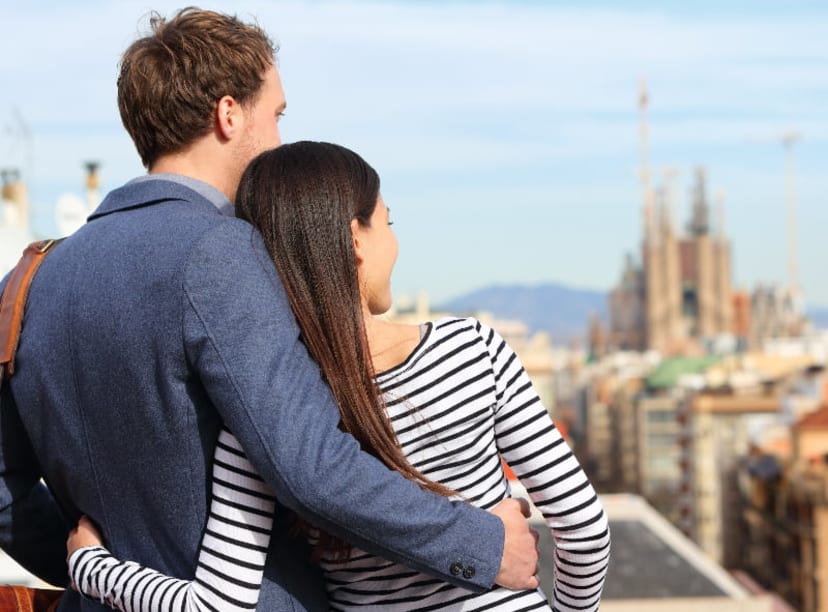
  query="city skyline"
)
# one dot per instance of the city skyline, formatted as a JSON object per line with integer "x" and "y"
{"x": 506, "y": 135}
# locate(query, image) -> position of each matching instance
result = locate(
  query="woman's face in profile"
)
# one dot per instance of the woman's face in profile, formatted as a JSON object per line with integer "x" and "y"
{"x": 377, "y": 248}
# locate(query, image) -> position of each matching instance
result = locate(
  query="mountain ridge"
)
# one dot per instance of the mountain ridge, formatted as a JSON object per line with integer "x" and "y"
{"x": 561, "y": 310}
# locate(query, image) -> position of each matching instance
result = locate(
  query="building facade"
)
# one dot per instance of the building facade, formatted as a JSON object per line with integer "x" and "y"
{"x": 15, "y": 233}
{"x": 785, "y": 513}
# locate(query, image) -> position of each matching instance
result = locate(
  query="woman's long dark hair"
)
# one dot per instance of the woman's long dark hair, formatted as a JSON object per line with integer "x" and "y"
{"x": 302, "y": 198}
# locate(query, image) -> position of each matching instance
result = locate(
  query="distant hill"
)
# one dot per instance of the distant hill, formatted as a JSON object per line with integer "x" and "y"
{"x": 558, "y": 309}
{"x": 561, "y": 311}
{"x": 819, "y": 316}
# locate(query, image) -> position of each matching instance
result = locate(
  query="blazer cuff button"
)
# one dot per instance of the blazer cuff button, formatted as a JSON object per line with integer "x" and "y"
{"x": 468, "y": 572}
{"x": 456, "y": 568}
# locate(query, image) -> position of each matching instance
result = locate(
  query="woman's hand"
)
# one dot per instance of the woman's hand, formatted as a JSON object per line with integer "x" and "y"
{"x": 85, "y": 534}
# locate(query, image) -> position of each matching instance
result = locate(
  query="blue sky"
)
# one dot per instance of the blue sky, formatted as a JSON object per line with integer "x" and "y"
{"x": 506, "y": 134}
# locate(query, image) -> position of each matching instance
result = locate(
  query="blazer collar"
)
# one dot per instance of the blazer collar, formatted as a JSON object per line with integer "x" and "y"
{"x": 147, "y": 193}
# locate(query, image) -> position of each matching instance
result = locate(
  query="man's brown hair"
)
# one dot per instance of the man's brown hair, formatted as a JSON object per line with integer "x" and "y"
{"x": 171, "y": 80}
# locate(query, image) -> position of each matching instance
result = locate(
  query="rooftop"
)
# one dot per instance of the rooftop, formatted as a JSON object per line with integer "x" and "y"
{"x": 655, "y": 567}
{"x": 818, "y": 419}
{"x": 666, "y": 375}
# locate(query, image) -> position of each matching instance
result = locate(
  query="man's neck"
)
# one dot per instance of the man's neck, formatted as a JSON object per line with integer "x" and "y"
{"x": 190, "y": 165}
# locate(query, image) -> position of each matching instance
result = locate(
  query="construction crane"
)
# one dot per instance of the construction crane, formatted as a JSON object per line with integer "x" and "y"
{"x": 647, "y": 211}
{"x": 788, "y": 139}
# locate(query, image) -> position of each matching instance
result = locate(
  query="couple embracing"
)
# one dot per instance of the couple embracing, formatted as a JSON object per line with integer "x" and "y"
{"x": 202, "y": 383}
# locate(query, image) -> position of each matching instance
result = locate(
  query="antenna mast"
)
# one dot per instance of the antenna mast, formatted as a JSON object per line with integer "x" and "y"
{"x": 644, "y": 170}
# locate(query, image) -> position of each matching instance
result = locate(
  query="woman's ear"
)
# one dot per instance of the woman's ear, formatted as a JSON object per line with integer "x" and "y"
{"x": 356, "y": 230}
{"x": 227, "y": 116}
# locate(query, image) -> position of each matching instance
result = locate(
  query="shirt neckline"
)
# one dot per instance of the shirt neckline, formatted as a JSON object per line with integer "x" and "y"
{"x": 429, "y": 327}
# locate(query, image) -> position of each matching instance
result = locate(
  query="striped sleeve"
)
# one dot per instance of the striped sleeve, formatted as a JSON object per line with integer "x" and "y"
{"x": 230, "y": 563}
{"x": 535, "y": 450}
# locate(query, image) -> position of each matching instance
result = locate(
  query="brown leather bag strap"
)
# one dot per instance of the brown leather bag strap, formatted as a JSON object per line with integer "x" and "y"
{"x": 23, "y": 599}
{"x": 13, "y": 302}
{"x": 18, "y": 598}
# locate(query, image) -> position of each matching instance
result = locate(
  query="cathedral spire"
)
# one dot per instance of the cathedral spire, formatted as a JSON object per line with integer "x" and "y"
{"x": 700, "y": 221}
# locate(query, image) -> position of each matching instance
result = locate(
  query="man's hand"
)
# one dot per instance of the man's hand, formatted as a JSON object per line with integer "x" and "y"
{"x": 519, "y": 566}
{"x": 85, "y": 534}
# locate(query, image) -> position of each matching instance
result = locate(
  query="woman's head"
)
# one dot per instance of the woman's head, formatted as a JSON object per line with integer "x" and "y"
{"x": 318, "y": 209}
{"x": 318, "y": 205}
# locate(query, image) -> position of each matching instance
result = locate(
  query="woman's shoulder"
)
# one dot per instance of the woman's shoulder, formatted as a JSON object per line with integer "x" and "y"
{"x": 460, "y": 326}
{"x": 471, "y": 331}
{"x": 451, "y": 324}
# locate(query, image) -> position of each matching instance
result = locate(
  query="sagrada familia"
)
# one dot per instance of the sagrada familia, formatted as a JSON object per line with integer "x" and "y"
{"x": 681, "y": 292}
{"x": 678, "y": 298}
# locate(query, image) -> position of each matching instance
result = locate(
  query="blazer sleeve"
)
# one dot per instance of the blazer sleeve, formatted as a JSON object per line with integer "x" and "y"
{"x": 33, "y": 530}
{"x": 243, "y": 341}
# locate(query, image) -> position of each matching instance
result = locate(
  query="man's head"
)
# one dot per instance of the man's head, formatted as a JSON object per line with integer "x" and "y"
{"x": 174, "y": 82}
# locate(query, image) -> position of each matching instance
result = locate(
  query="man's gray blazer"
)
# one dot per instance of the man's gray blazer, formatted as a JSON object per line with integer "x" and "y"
{"x": 156, "y": 321}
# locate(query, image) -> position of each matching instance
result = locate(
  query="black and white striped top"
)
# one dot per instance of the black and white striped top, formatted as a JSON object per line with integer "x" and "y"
{"x": 458, "y": 403}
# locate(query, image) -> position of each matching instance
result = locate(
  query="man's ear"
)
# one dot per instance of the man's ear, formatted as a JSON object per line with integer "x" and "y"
{"x": 355, "y": 232}
{"x": 228, "y": 117}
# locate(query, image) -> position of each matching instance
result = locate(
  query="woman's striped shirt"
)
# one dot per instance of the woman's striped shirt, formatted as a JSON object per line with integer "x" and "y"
{"x": 458, "y": 403}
